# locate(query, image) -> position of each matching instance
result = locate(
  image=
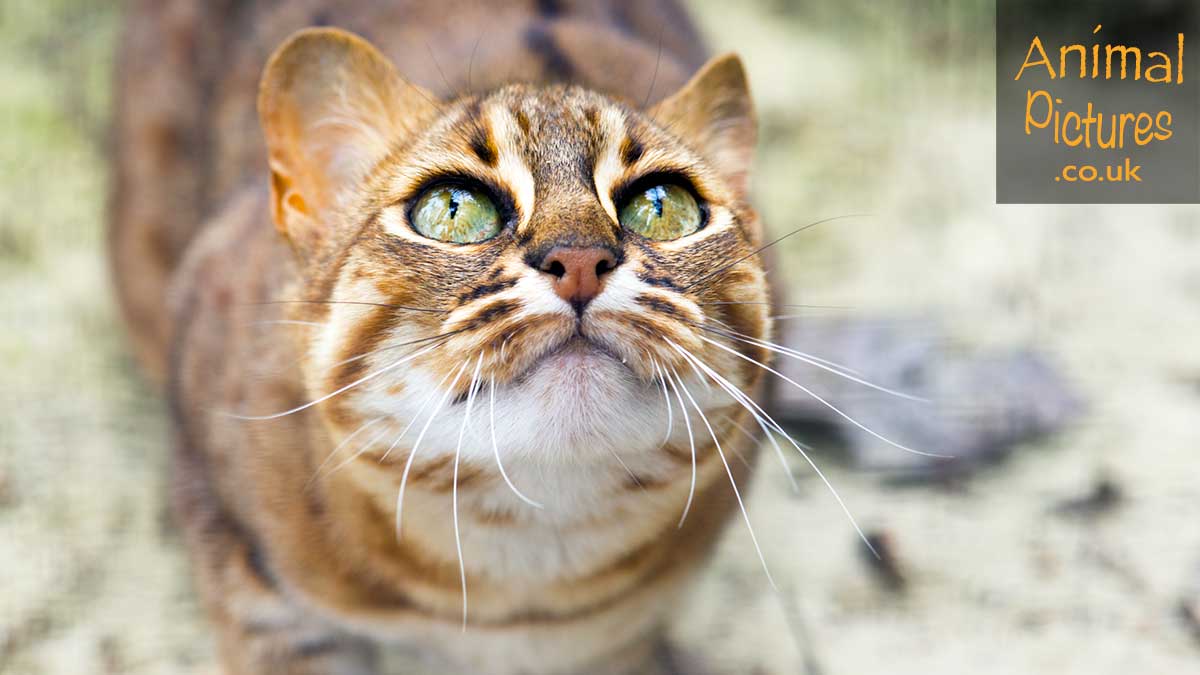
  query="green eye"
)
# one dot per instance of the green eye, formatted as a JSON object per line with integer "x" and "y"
{"x": 662, "y": 212}
{"x": 454, "y": 213}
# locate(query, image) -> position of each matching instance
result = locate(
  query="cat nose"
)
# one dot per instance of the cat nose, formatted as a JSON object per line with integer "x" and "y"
{"x": 578, "y": 273}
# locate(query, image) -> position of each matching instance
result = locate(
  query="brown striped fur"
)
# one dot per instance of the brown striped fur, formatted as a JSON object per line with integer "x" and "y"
{"x": 556, "y": 107}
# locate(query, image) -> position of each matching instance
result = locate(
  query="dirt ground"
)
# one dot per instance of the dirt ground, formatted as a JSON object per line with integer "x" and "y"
{"x": 864, "y": 109}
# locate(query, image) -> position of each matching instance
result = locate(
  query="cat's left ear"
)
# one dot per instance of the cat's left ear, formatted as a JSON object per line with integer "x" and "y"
{"x": 715, "y": 114}
{"x": 331, "y": 106}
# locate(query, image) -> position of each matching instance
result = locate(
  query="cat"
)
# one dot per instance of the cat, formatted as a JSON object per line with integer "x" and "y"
{"x": 459, "y": 345}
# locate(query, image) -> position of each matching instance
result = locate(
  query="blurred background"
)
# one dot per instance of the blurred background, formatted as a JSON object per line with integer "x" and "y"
{"x": 1074, "y": 552}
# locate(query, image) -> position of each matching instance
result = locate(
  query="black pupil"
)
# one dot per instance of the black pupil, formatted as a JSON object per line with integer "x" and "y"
{"x": 453, "y": 206}
{"x": 656, "y": 195}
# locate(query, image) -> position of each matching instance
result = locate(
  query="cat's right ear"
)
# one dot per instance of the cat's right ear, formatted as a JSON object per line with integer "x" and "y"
{"x": 715, "y": 112}
{"x": 331, "y": 106}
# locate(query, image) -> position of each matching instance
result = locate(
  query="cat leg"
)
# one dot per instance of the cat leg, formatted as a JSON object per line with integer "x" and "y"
{"x": 259, "y": 630}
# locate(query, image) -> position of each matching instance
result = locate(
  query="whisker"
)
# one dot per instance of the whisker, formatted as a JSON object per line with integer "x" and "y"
{"x": 349, "y": 302}
{"x": 496, "y": 450}
{"x": 449, "y": 89}
{"x": 339, "y": 446}
{"x": 743, "y": 431}
{"x": 699, "y": 375}
{"x": 436, "y": 104}
{"x": 471, "y": 62}
{"x": 787, "y": 467}
{"x": 691, "y": 442}
{"x": 632, "y": 476}
{"x": 424, "y": 404}
{"x": 733, "y": 484}
{"x": 733, "y": 332}
{"x": 284, "y": 322}
{"x": 823, "y": 364}
{"x": 359, "y": 453}
{"x": 822, "y": 401}
{"x": 412, "y": 454}
{"x": 764, "y": 247}
{"x": 798, "y": 446}
{"x": 667, "y": 399}
{"x": 767, "y": 343}
{"x": 772, "y": 304}
{"x": 657, "y": 62}
{"x": 462, "y": 431}
{"x": 789, "y": 317}
{"x": 326, "y": 397}
{"x": 737, "y": 397}
{"x": 407, "y": 343}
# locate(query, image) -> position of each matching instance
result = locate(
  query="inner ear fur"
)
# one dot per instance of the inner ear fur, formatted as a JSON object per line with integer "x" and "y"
{"x": 714, "y": 113}
{"x": 331, "y": 106}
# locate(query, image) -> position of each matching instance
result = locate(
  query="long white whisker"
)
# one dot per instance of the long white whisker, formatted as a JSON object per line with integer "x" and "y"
{"x": 789, "y": 317}
{"x": 798, "y": 446}
{"x": 365, "y": 447}
{"x": 326, "y": 397}
{"x": 417, "y": 445}
{"x": 787, "y": 468}
{"x": 687, "y": 421}
{"x": 462, "y": 568}
{"x": 767, "y": 343}
{"x": 823, "y": 364}
{"x": 667, "y": 399}
{"x": 438, "y": 339}
{"x": 733, "y": 484}
{"x": 731, "y": 332}
{"x": 496, "y": 450}
{"x": 822, "y": 401}
{"x": 424, "y": 404}
{"x": 738, "y": 397}
{"x": 632, "y": 475}
{"x": 284, "y": 322}
{"x": 339, "y": 446}
{"x": 699, "y": 375}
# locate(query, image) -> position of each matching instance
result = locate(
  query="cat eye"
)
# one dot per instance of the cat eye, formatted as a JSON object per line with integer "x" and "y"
{"x": 662, "y": 212}
{"x": 460, "y": 214}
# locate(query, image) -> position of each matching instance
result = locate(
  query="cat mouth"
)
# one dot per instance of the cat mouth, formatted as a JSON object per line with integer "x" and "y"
{"x": 577, "y": 353}
{"x": 579, "y": 346}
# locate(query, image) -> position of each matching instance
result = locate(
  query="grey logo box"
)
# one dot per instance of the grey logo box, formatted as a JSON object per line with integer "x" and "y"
{"x": 1119, "y": 141}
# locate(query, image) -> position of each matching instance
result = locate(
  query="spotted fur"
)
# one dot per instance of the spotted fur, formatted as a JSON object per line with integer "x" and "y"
{"x": 303, "y": 552}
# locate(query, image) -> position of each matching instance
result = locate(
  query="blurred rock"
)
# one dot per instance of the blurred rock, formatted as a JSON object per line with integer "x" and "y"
{"x": 976, "y": 408}
{"x": 880, "y": 554}
{"x": 1104, "y": 496}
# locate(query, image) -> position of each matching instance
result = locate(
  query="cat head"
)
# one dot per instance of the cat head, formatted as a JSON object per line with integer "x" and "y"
{"x": 552, "y": 256}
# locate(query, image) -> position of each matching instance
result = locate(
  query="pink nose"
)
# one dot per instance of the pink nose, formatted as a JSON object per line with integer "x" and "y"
{"x": 578, "y": 272}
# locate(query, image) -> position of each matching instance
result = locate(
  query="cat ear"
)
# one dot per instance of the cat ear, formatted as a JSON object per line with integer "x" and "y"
{"x": 714, "y": 113}
{"x": 331, "y": 106}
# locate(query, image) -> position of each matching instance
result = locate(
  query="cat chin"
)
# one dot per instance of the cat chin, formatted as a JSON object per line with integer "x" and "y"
{"x": 582, "y": 357}
{"x": 578, "y": 374}
{"x": 580, "y": 400}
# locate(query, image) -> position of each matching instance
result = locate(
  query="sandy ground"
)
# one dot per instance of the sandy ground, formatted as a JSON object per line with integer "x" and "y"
{"x": 864, "y": 110}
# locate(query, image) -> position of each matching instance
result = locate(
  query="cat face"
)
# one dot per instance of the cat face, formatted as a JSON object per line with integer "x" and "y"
{"x": 547, "y": 257}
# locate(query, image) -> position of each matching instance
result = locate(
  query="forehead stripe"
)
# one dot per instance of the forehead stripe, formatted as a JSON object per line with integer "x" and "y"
{"x": 479, "y": 136}
{"x": 631, "y": 150}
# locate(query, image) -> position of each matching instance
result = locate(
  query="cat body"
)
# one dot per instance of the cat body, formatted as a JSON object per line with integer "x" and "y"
{"x": 506, "y": 451}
